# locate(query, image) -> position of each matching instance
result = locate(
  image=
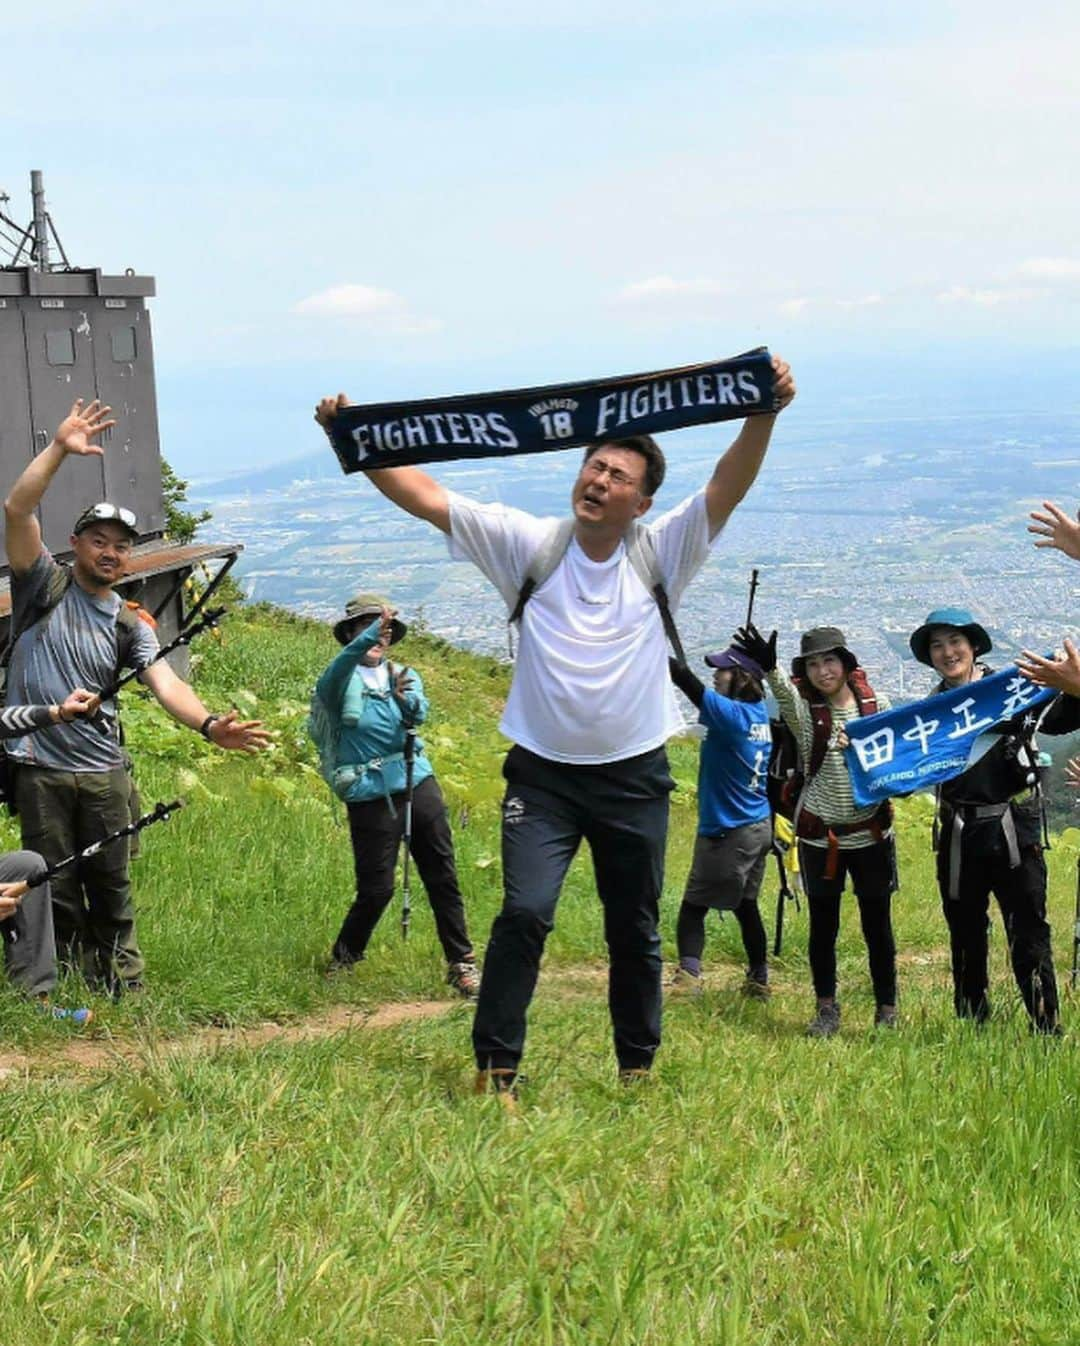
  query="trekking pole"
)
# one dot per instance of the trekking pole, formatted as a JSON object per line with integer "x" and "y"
{"x": 159, "y": 814}
{"x": 406, "y": 896}
{"x": 208, "y": 620}
{"x": 784, "y": 896}
{"x": 750, "y": 605}
{"x": 1076, "y": 930}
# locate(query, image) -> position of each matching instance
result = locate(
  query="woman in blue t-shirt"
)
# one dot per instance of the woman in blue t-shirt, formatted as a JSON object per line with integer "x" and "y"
{"x": 734, "y": 822}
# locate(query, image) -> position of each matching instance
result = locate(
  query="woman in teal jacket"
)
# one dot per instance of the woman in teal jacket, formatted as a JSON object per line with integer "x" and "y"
{"x": 370, "y": 703}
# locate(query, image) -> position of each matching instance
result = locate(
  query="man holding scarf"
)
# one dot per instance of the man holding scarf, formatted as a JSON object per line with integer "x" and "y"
{"x": 589, "y": 711}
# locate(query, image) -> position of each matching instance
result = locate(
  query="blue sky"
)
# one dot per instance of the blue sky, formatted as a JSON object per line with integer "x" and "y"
{"x": 429, "y": 197}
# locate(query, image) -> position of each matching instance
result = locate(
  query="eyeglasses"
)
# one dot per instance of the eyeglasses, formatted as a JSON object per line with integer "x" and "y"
{"x": 596, "y": 467}
{"x": 103, "y": 513}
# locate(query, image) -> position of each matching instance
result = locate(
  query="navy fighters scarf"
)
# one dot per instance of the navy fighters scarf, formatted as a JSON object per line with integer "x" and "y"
{"x": 560, "y": 416}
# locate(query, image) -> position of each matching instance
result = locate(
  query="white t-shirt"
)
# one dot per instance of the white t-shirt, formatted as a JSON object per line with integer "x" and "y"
{"x": 591, "y": 679}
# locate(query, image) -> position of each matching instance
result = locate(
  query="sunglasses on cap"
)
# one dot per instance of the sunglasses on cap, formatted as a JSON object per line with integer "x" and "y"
{"x": 105, "y": 513}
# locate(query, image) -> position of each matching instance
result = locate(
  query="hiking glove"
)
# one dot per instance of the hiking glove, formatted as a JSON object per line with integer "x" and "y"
{"x": 688, "y": 683}
{"x": 750, "y": 640}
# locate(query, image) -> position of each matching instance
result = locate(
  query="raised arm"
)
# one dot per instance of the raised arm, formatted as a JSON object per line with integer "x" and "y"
{"x": 1056, "y": 529}
{"x": 22, "y": 536}
{"x": 736, "y": 471}
{"x": 409, "y": 488}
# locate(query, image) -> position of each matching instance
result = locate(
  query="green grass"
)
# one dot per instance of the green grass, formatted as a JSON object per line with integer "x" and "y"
{"x": 761, "y": 1188}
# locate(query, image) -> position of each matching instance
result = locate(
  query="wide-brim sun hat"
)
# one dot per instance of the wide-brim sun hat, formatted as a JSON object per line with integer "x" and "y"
{"x": 956, "y": 619}
{"x": 365, "y": 608}
{"x": 822, "y": 640}
{"x": 733, "y": 657}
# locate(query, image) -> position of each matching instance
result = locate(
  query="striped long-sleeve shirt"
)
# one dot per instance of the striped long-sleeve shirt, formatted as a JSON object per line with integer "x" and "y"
{"x": 15, "y": 721}
{"x": 828, "y": 794}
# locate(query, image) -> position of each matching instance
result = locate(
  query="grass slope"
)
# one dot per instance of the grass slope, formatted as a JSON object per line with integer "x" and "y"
{"x": 760, "y": 1188}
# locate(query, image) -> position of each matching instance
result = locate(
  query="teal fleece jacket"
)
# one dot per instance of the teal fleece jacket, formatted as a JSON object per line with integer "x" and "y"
{"x": 372, "y": 723}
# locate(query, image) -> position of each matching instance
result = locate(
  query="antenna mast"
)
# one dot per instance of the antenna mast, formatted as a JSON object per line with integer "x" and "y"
{"x": 34, "y": 243}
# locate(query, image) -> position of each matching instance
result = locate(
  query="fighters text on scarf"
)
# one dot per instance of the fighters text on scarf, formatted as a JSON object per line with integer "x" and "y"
{"x": 560, "y": 416}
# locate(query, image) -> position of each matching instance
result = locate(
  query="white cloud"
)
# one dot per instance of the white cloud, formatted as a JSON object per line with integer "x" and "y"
{"x": 1050, "y": 268}
{"x": 984, "y": 297}
{"x": 367, "y": 303}
{"x": 794, "y": 308}
{"x": 863, "y": 301}
{"x": 667, "y": 288}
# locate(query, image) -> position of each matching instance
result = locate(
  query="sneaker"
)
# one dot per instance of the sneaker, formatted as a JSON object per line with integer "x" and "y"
{"x": 500, "y": 1082}
{"x": 756, "y": 990}
{"x": 885, "y": 1016}
{"x": 826, "y": 1022}
{"x": 465, "y": 979}
{"x": 685, "y": 983}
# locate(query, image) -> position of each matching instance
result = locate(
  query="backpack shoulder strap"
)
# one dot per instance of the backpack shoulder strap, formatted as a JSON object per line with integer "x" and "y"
{"x": 542, "y": 565}
{"x": 822, "y": 719}
{"x": 641, "y": 553}
{"x": 56, "y": 586}
{"x": 129, "y": 618}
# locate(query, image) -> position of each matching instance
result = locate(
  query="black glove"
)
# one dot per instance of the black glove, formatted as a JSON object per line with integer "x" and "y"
{"x": 750, "y": 640}
{"x": 688, "y": 683}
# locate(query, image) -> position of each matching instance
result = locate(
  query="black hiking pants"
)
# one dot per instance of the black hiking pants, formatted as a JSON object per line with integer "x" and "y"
{"x": 376, "y": 838}
{"x": 690, "y": 932}
{"x": 1021, "y": 895}
{"x": 873, "y": 876}
{"x": 621, "y": 810}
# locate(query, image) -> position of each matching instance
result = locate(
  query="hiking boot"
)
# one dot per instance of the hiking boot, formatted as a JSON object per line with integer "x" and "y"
{"x": 885, "y": 1016}
{"x": 465, "y": 979}
{"x": 631, "y": 1075}
{"x": 500, "y": 1082}
{"x": 826, "y": 1022}
{"x": 684, "y": 983}
{"x": 755, "y": 989}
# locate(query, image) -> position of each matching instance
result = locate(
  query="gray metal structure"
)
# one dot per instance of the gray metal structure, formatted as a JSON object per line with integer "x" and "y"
{"x": 68, "y": 332}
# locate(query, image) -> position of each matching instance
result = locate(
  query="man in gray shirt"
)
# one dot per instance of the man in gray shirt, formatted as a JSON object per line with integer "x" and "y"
{"x": 72, "y": 630}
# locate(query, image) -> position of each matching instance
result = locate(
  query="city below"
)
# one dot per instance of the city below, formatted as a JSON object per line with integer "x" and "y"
{"x": 865, "y": 524}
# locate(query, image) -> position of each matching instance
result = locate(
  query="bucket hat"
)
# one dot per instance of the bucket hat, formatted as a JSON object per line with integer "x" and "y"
{"x": 822, "y": 640}
{"x": 366, "y": 606}
{"x": 957, "y": 618}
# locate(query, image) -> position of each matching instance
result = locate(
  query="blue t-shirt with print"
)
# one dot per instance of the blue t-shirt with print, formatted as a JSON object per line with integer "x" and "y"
{"x": 734, "y": 764}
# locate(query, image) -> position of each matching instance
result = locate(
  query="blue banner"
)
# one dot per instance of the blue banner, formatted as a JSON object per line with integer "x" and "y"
{"x": 917, "y": 746}
{"x": 559, "y": 416}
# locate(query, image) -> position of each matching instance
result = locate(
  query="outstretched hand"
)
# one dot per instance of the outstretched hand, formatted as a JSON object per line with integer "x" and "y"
{"x": 1062, "y": 673}
{"x": 761, "y": 649}
{"x": 1056, "y": 529}
{"x": 228, "y": 731}
{"x": 80, "y": 426}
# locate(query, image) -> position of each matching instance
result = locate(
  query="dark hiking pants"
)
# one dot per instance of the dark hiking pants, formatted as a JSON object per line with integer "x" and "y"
{"x": 376, "y": 834}
{"x": 1021, "y": 895}
{"x": 873, "y": 876}
{"x": 62, "y": 812}
{"x": 621, "y": 810}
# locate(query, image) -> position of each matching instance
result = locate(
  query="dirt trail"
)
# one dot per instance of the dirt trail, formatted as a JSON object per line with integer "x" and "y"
{"x": 90, "y": 1053}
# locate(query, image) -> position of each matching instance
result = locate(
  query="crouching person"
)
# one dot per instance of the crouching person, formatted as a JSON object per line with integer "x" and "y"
{"x": 368, "y": 706}
{"x": 990, "y": 831}
{"x": 734, "y": 822}
{"x": 836, "y": 839}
